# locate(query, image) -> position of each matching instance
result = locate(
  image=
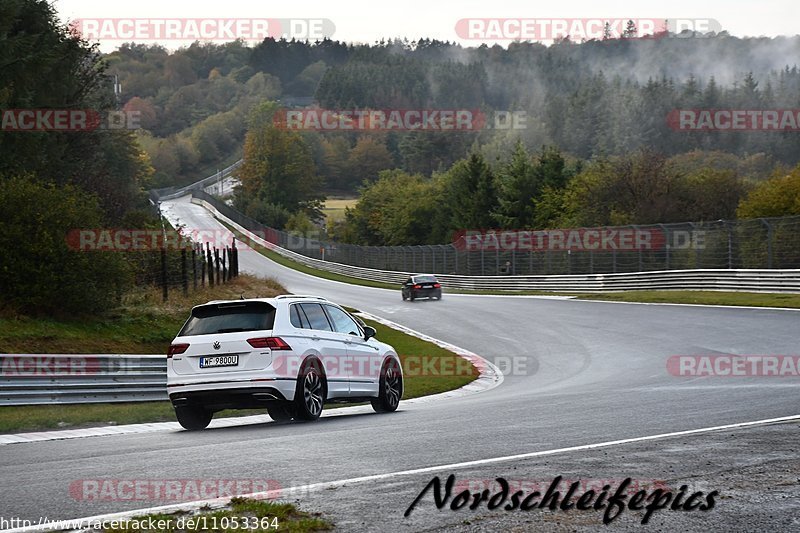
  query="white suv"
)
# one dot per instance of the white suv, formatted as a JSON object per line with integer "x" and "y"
{"x": 290, "y": 354}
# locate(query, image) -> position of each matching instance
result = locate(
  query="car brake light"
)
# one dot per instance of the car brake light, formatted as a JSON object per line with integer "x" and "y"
{"x": 437, "y": 285}
{"x": 417, "y": 286}
{"x": 274, "y": 343}
{"x": 176, "y": 349}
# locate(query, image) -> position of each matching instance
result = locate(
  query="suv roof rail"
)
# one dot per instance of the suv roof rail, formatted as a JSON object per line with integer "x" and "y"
{"x": 310, "y": 297}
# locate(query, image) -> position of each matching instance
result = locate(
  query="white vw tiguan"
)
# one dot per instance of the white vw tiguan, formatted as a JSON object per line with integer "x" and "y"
{"x": 290, "y": 354}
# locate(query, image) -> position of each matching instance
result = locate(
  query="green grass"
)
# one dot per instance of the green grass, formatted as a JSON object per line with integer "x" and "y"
{"x": 446, "y": 370}
{"x": 142, "y": 324}
{"x": 750, "y": 299}
{"x": 412, "y": 351}
{"x": 334, "y": 208}
{"x": 286, "y": 516}
{"x": 42, "y": 417}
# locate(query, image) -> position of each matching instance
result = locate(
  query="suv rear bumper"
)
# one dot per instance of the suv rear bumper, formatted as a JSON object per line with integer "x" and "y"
{"x": 230, "y": 394}
{"x": 236, "y": 398}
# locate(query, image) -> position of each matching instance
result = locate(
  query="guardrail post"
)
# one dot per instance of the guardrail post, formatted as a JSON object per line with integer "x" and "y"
{"x": 235, "y": 258}
{"x": 184, "y": 277}
{"x": 635, "y": 230}
{"x": 164, "y": 290}
{"x": 210, "y": 262}
{"x": 202, "y": 266}
{"x": 225, "y": 277}
{"x": 194, "y": 267}
{"x": 666, "y": 245}
{"x": 769, "y": 241}
{"x": 730, "y": 244}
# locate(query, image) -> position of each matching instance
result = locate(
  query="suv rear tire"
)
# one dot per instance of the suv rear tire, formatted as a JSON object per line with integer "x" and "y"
{"x": 281, "y": 411}
{"x": 310, "y": 392}
{"x": 193, "y": 417}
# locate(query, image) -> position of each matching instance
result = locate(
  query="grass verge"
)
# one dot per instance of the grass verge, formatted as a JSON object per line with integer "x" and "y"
{"x": 334, "y": 207}
{"x": 242, "y": 514}
{"x": 749, "y": 299}
{"x": 142, "y": 324}
{"x": 429, "y": 369}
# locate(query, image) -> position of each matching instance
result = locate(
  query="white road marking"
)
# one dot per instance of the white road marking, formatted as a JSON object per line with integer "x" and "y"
{"x": 304, "y": 489}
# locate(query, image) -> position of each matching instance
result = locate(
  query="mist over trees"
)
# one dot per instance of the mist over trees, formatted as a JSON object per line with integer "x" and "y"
{"x": 596, "y": 147}
{"x": 590, "y": 99}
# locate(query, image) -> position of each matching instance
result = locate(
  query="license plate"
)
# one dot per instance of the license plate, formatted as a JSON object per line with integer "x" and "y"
{"x": 219, "y": 360}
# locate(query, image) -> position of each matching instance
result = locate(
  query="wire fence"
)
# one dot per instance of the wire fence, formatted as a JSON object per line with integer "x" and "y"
{"x": 186, "y": 269}
{"x": 765, "y": 243}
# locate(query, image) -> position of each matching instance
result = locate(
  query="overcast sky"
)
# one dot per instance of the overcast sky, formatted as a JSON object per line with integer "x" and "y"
{"x": 365, "y": 21}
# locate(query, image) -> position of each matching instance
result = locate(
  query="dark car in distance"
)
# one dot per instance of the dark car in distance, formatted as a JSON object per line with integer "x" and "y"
{"x": 421, "y": 286}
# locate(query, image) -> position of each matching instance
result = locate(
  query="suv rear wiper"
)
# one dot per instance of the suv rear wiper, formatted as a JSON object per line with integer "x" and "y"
{"x": 233, "y": 330}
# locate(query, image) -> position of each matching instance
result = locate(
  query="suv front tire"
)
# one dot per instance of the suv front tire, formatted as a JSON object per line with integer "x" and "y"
{"x": 390, "y": 388}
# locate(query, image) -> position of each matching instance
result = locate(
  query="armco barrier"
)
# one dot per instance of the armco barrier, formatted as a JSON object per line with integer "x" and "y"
{"x": 176, "y": 192}
{"x": 751, "y": 280}
{"x": 28, "y": 379}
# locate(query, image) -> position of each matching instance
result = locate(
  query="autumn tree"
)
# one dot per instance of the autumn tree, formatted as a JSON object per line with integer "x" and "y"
{"x": 278, "y": 168}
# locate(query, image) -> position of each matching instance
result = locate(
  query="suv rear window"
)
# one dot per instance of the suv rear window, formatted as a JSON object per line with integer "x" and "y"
{"x": 229, "y": 318}
{"x": 316, "y": 316}
{"x": 425, "y": 279}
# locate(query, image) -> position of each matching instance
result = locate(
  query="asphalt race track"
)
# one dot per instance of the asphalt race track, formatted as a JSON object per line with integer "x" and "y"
{"x": 586, "y": 372}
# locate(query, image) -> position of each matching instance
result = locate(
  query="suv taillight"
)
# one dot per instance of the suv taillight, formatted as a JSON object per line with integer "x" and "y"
{"x": 437, "y": 285}
{"x": 176, "y": 349}
{"x": 274, "y": 343}
{"x": 417, "y": 286}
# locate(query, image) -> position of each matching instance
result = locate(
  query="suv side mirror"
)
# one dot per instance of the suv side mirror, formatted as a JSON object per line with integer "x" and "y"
{"x": 369, "y": 332}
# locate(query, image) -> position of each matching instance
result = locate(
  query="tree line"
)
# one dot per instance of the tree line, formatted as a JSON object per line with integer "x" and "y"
{"x": 549, "y": 190}
{"x": 52, "y": 182}
{"x": 591, "y": 99}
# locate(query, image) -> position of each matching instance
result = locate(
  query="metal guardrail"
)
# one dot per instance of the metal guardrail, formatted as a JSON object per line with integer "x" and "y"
{"x": 751, "y": 280}
{"x": 765, "y": 243}
{"x": 29, "y": 379}
{"x": 170, "y": 193}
